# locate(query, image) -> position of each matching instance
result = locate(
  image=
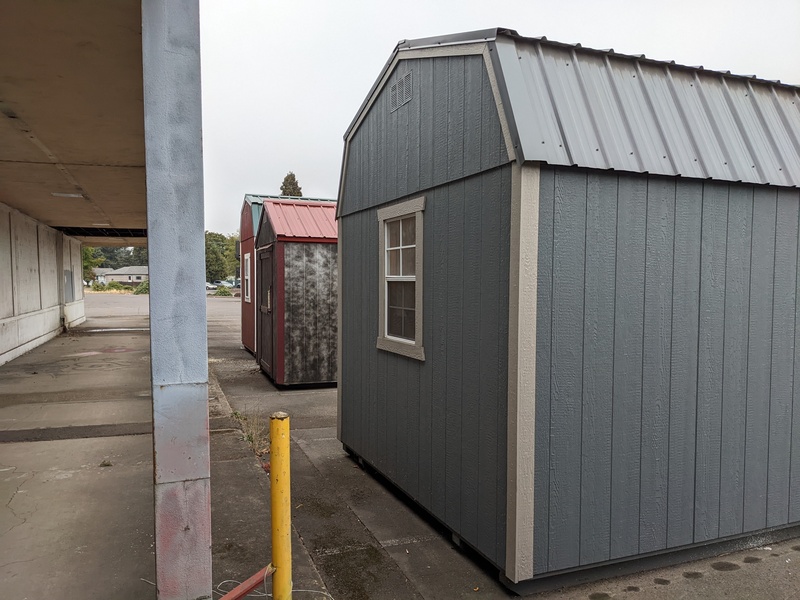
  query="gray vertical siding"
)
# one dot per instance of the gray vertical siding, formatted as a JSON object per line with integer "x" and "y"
{"x": 683, "y": 377}
{"x": 569, "y": 218}
{"x": 310, "y": 292}
{"x": 656, "y": 367}
{"x": 626, "y": 400}
{"x": 450, "y": 129}
{"x": 437, "y": 428}
{"x": 601, "y": 241}
{"x": 666, "y": 404}
{"x": 762, "y": 275}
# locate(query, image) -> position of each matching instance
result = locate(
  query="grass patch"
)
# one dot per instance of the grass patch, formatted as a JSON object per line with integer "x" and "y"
{"x": 255, "y": 430}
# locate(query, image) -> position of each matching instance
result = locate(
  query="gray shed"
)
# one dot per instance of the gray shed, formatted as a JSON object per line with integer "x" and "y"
{"x": 568, "y": 309}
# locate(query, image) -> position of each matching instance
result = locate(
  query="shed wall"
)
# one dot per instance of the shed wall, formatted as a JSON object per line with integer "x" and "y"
{"x": 310, "y": 298}
{"x": 667, "y": 411}
{"x": 249, "y": 306}
{"x": 450, "y": 129}
{"x": 437, "y": 428}
{"x": 247, "y": 246}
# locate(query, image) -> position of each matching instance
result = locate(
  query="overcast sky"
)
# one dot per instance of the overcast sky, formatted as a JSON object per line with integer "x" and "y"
{"x": 283, "y": 80}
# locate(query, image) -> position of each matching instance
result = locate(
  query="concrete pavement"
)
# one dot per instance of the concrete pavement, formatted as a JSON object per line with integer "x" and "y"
{"x": 76, "y": 487}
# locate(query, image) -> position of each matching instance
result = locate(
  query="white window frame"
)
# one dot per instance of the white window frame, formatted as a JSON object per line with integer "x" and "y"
{"x": 246, "y": 278}
{"x": 411, "y": 348}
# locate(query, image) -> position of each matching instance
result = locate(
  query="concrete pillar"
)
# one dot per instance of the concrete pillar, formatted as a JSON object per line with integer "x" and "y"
{"x": 179, "y": 355}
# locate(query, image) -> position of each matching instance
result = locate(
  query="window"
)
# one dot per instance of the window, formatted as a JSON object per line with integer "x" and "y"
{"x": 246, "y": 277}
{"x": 400, "y": 292}
{"x": 138, "y": 278}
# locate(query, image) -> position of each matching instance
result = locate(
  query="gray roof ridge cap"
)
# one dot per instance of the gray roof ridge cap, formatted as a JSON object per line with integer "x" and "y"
{"x": 645, "y": 59}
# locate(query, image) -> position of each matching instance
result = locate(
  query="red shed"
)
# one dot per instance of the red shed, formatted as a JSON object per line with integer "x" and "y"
{"x": 248, "y": 226}
{"x": 296, "y": 291}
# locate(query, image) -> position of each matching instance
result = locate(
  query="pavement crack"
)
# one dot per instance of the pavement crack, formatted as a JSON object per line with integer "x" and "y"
{"x": 22, "y": 520}
{"x": 17, "y": 562}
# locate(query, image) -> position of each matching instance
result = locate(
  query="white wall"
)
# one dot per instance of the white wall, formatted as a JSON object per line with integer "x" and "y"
{"x": 36, "y": 263}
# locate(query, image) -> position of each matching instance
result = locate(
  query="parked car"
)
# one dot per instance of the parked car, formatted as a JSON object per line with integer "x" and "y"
{"x": 210, "y": 286}
{"x": 227, "y": 284}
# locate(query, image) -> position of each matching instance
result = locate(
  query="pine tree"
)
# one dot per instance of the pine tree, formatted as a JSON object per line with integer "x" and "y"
{"x": 290, "y": 186}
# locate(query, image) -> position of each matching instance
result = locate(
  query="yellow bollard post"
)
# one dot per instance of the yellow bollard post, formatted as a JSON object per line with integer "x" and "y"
{"x": 280, "y": 484}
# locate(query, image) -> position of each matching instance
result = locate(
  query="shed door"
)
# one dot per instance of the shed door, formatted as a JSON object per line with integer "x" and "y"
{"x": 265, "y": 310}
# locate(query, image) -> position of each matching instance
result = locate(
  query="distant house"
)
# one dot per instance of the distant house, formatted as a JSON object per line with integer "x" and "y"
{"x": 129, "y": 275}
{"x": 100, "y": 273}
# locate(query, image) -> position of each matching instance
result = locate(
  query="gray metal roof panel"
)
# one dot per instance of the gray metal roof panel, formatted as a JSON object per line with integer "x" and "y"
{"x": 604, "y": 110}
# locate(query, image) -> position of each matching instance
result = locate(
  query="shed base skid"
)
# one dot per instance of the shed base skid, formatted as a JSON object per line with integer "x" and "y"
{"x": 649, "y": 562}
{"x": 598, "y": 571}
{"x": 303, "y": 385}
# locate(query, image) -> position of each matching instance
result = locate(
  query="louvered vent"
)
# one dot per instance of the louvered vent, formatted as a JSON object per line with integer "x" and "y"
{"x": 401, "y": 92}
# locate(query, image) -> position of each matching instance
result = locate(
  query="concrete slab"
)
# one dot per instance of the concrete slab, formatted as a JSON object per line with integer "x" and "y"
{"x": 351, "y": 561}
{"x": 118, "y": 364}
{"x": 65, "y": 414}
{"x": 241, "y": 517}
{"x": 71, "y": 528}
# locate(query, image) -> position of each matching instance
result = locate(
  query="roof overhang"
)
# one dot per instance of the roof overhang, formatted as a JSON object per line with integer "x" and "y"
{"x": 72, "y": 117}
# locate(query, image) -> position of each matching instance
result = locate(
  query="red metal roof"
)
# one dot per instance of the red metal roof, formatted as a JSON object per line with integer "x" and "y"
{"x": 295, "y": 219}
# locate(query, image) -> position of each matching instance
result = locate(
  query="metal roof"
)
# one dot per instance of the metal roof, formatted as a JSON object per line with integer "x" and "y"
{"x": 298, "y": 219}
{"x": 575, "y": 106}
{"x": 599, "y": 109}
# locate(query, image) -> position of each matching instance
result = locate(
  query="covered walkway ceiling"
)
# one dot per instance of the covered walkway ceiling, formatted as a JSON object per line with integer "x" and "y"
{"x": 71, "y": 117}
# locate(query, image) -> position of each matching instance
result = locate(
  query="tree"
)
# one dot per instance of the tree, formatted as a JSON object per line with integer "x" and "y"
{"x": 215, "y": 256}
{"x": 139, "y": 257}
{"x": 116, "y": 258}
{"x": 231, "y": 262}
{"x": 113, "y": 257}
{"x": 92, "y": 258}
{"x": 290, "y": 186}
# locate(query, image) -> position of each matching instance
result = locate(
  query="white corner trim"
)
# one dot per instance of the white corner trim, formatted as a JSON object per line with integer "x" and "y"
{"x": 438, "y": 51}
{"x": 523, "y": 269}
{"x": 498, "y": 100}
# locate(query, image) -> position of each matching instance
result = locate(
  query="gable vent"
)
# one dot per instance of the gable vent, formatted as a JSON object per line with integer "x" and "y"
{"x": 401, "y": 92}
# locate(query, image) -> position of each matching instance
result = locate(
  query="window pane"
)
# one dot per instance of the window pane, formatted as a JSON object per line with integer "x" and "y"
{"x": 409, "y": 261}
{"x": 401, "y": 294}
{"x": 409, "y": 329}
{"x": 395, "y": 294}
{"x": 409, "y": 292}
{"x": 409, "y": 231}
{"x": 393, "y": 268}
{"x": 393, "y": 234}
{"x": 394, "y": 323}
